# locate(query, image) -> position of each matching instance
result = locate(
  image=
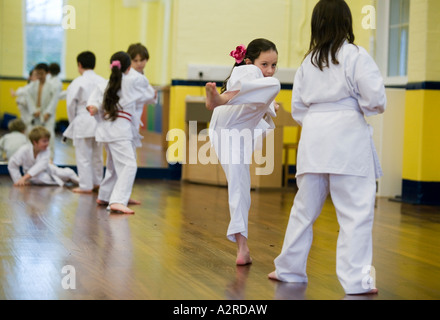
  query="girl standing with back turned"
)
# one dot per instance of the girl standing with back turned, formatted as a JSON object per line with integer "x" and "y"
{"x": 118, "y": 123}
{"x": 337, "y": 85}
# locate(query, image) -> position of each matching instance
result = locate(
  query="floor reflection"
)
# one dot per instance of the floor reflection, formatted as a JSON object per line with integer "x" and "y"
{"x": 290, "y": 291}
{"x": 236, "y": 289}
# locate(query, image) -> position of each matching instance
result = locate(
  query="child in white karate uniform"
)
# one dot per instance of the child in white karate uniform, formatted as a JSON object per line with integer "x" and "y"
{"x": 114, "y": 105}
{"x": 13, "y": 140}
{"x": 34, "y": 159}
{"x": 139, "y": 57}
{"x": 21, "y": 94}
{"x": 42, "y": 101}
{"x": 246, "y": 104}
{"x": 337, "y": 85}
{"x": 82, "y": 126}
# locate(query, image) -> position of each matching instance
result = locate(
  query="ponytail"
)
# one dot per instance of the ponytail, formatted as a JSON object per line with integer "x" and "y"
{"x": 119, "y": 63}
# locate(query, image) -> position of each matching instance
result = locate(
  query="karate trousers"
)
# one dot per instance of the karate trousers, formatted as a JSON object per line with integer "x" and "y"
{"x": 54, "y": 176}
{"x": 120, "y": 173}
{"x": 354, "y": 199}
{"x": 236, "y": 165}
{"x": 89, "y": 162}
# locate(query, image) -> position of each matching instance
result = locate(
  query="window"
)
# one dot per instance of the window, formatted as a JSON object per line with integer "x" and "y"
{"x": 392, "y": 36}
{"x": 398, "y": 38}
{"x": 44, "y": 34}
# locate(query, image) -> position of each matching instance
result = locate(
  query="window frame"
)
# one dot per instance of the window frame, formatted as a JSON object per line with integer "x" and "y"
{"x": 62, "y": 73}
{"x": 382, "y": 44}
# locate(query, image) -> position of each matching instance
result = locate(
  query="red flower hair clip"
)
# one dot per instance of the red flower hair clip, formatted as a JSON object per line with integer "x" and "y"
{"x": 238, "y": 54}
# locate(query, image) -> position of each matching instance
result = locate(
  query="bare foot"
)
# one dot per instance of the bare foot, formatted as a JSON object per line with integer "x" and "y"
{"x": 212, "y": 96}
{"x": 120, "y": 208}
{"x": 372, "y": 291}
{"x": 243, "y": 255}
{"x": 273, "y": 276}
{"x": 243, "y": 259}
{"x": 131, "y": 201}
{"x": 79, "y": 190}
{"x": 101, "y": 202}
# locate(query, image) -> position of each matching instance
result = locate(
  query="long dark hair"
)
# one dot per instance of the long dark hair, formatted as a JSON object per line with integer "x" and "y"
{"x": 111, "y": 97}
{"x": 253, "y": 51}
{"x": 332, "y": 24}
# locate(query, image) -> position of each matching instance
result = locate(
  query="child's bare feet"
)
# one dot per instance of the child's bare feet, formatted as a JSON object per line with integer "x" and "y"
{"x": 131, "y": 201}
{"x": 372, "y": 291}
{"x": 120, "y": 208}
{"x": 101, "y": 202}
{"x": 273, "y": 276}
{"x": 243, "y": 254}
{"x": 79, "y": 190}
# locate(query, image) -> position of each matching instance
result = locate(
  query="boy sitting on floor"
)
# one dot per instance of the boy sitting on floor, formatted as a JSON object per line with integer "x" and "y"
{"x": 35, "y": 161}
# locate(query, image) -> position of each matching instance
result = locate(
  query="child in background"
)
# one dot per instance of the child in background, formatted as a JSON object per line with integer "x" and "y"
{"x": 114, "y": 104}
{"x": 246, "y": 104}
{"x": 21, "y": 94}
{"x": 34, "y": 159}
{"x": 139, "y": 57}
{"x": 54, "y": 78}
{"x": 42, "y": 100}
{"x": 82, "y": 127}
{"x": 12, "y": 141}
{"x": 337, "y": 85}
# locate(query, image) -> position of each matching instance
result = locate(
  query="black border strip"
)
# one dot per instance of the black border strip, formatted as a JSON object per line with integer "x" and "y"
{"x": 421, "y": 193}
{"x": 426, "y": 85}
{"x": 173, "y": 172}
{"x": 197, "y": 83}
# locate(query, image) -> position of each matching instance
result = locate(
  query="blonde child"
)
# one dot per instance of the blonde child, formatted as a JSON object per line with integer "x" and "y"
{"x": 34, "y": 159}
{"x": 12, "y": 141}
{"x": 246, "y": 103}
{"x": 337, "y": 85}
{"x": 114, "y": 105}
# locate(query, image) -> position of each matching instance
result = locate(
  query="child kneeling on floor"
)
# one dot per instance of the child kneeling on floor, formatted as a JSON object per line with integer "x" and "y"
{"x": 34, "y": 159}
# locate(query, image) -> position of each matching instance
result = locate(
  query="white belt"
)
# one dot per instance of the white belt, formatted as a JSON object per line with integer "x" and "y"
{"x": 344, "y": 104}
{"x": 350, "y": 104}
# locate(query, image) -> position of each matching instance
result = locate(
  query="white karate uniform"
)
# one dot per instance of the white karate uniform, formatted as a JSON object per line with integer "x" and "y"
{"x": 49, "y": 102}
{"x": 82, "y": 128}
{"x": 42, "y": 171}
{"x": 250, "y": 109}
{"x": 336, "y": 155}
{"x": 11, "y": 142}
{"x": 150, "y": 92}
{"x": 21, "y": 100}
{"x": 120, "y": 137}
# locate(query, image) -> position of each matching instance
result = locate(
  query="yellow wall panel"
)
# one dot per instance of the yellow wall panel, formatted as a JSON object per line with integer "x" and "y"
{"x": 422, "y": 135}
{"x": 8, "y": 103}
{"x": 413, "y": 135}
{"x": 431, "y": 137}
{"x": 11, "y": 54}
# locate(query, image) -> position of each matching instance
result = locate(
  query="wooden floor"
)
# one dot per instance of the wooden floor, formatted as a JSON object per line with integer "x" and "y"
{"x": 174, "y": 247}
